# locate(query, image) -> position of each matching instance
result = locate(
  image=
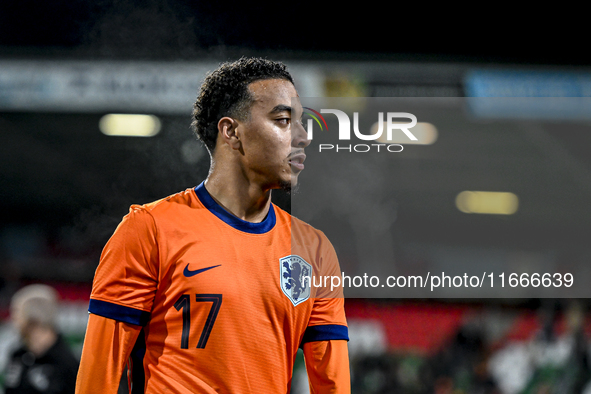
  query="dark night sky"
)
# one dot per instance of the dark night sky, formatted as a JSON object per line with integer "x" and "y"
{"x": 190, "y": 29}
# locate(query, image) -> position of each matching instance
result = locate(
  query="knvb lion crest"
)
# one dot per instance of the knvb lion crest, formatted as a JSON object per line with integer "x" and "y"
{"x": 293, "y": 271}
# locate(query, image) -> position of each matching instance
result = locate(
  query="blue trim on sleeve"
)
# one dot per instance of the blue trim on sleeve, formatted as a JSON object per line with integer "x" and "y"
{"x": 248, "y": 227}
{"x": 326, "y": 332}
{"x": 119, "y": 312}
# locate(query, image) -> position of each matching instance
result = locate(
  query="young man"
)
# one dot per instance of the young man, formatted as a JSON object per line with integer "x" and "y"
{"x": 207, "y": 286}
{"x": 44, "y": 363}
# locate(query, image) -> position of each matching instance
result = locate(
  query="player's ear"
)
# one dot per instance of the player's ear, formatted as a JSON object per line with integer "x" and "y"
{"x": 227, "y": 127}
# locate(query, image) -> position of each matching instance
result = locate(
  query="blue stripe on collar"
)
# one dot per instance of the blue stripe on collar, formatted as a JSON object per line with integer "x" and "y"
{"x": 242, "y": 225}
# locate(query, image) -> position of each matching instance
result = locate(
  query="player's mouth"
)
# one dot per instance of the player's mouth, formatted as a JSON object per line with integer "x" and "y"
{"x": 297, "y": 161}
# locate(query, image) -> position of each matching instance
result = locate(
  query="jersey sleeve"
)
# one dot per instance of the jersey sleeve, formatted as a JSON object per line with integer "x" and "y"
{"x": 327, "y": 365}
{"x": 327, "y": 320}
{"x": 107, "y": 345}
{"x": 126, "y": 279}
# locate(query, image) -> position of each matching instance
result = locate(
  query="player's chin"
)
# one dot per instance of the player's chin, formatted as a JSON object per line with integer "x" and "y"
{"x": 290, "y": 186}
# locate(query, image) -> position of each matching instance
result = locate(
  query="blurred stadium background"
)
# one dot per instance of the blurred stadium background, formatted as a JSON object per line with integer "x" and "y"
{"x": 66, "y": 182}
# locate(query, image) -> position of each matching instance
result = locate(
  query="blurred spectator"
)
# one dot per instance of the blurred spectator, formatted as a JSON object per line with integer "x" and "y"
{"x": 43, "y": 363}
{"x": 461, "y": 367}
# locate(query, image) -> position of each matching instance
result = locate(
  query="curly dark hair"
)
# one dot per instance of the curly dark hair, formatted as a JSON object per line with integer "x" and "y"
{"x": 224, "y": 92}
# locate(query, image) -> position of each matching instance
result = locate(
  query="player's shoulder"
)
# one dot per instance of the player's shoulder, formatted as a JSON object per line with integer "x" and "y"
{"x": 175, "y": 202}
{"x": 298, "y": 227}
{"x": 180, "y": 200}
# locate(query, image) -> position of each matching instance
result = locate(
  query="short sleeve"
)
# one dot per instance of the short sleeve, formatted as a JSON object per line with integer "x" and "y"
{"x": 327, "y": 320}
{"x": 126, "y": 279}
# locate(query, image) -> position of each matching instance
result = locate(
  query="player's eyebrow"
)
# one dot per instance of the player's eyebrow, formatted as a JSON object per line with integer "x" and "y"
{"x": 280, "y": 108}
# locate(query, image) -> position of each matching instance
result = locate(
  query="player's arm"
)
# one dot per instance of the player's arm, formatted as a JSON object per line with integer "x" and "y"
{"x": 325, "y": 340}
{"x": 122, "y": 295}
{"x": 327, "y": 364}
{"x": 325, "y": 348}
{"x": 107, "y": 346}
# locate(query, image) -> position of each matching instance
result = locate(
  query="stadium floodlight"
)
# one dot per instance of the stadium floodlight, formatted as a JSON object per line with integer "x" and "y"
{"x": 493, "y": 203}
{"x": 130, "y": 125}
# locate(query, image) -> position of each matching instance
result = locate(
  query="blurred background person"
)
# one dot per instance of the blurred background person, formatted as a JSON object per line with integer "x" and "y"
{"x": 43, "y": 363}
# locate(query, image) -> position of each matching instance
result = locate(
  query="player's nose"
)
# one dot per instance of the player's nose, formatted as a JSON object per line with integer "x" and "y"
{"x": 299, "y": 136}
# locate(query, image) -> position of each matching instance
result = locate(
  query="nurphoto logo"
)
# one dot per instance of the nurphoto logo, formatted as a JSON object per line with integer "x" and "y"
{"x": 391, "y": 125}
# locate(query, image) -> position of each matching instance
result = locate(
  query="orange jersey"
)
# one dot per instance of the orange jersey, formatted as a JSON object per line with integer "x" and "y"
{"x": 224, "y": 302}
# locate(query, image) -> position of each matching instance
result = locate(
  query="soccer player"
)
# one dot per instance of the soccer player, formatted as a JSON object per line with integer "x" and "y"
{"x": 204, "y": 291}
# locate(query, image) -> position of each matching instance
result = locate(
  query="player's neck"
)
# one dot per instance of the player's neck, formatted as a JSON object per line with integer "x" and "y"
{"x": 243, "y": 199}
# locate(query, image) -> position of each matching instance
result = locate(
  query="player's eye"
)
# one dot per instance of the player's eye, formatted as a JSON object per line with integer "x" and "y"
{"x": 284, "y": 121}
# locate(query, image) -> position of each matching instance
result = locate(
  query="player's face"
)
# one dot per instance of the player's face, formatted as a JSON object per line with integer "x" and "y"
{"x": 273, "y": 138}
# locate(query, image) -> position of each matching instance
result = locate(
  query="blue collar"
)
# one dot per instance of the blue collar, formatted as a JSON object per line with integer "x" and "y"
{"x": 242, "y": 225}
